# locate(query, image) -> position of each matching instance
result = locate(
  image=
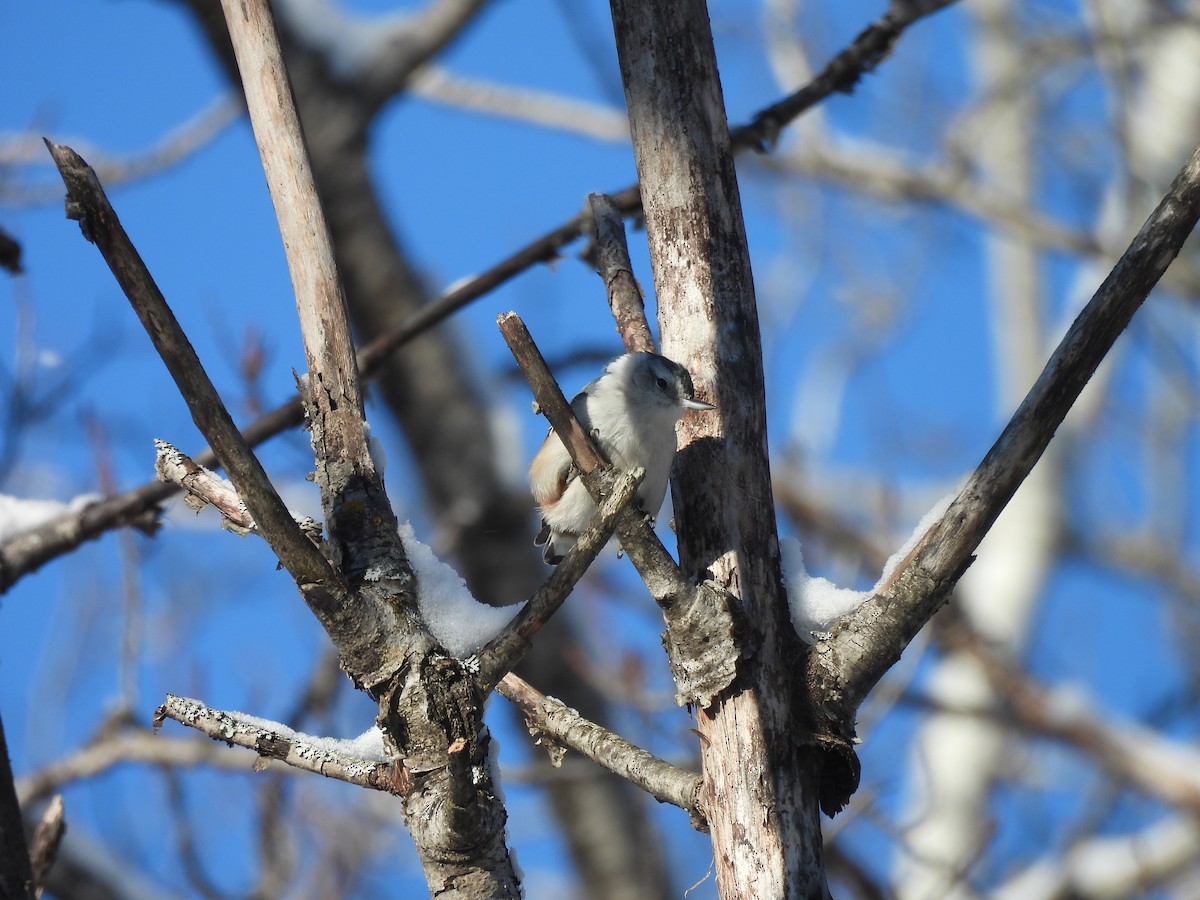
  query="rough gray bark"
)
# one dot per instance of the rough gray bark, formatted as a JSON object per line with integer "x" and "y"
{"x": 484, "y": 524}
{"x": 430, "y": 707}
{"x": 761, "y": 792}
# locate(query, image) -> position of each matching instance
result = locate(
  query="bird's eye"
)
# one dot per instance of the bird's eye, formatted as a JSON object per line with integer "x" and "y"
{"x": 662, "y": 384}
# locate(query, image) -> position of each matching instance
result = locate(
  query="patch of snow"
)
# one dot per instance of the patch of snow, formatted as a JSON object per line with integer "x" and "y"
{"x": 815, "y": 603}
{"x": 927, "y": 521}
{"x": 19, "y": 515}
{"x": 368, "y": 746}
{"x": 460, "y": 622}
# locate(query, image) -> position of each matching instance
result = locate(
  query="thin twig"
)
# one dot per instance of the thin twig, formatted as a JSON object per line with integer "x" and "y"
{"x": 205, "y": 488}
{"x": 564, "y": 726}
{"x": 840, "y": 75}
{"x": 609, "y": 253}
{"x": 122, "y": 747}
{"x": 502, "y": 653}
{"x": 174, "y": 147}
{"x": 43, "y": 849}
{"x": 87, "y": 202}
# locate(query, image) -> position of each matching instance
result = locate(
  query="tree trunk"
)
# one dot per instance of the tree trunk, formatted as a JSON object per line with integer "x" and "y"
{"x": 761, "y": 776}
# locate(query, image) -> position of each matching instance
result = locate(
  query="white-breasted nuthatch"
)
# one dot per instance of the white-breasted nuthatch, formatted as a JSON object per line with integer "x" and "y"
{"x": 630, "y": 411}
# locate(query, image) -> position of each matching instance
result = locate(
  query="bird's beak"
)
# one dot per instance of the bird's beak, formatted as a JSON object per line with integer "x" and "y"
{"x": 697, "y": 404}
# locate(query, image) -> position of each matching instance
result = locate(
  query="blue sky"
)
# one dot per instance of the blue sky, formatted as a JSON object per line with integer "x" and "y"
{"x": 467, "y": 190}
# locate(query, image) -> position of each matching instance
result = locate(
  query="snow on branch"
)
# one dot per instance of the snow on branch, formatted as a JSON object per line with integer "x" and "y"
{"x": 362, "y": 761}
{"x": 455, "y": 618}
{"x": 816, "y": 603}
{"x": 459, "y": 622}
{"x": 20, "y": 515}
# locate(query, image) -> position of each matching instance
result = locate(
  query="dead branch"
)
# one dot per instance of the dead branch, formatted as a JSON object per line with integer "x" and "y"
{"x": 356, "y": 629}
{"x": 864, "y": 645}
{"x": 279, "y": 743}
{"x": 47, "y": 837}
{"x": 205, "y": 488}
{"x": 564, "y": 727}
{"x": 609, "y": 254}
{"x": 872, "y": 46}
{"x": 502, "y": 653}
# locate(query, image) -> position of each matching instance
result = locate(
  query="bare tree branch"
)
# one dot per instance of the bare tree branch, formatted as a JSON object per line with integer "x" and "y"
{"x": 47, "y": 838}
{"x": 282, "y": 744}
{"x": 563, "y": 726}
{"x": 865, "y": 644}
{"x": 502, "y": 653}
{"x": 542, "y": 108}
{"x": 127, "y": 746}
{"x": 31, "y": 550}
{"x": 431, "y": 706}
{"x": 205, "y": 487}
{"x": 951, "y": 183}
{"x": 333, "y": 387}
{"x": 1149, "y": 761}
{"x": 417, "y": 40}
{"x": 759, "y": 747}
{"x": 100, "y": 225}
{"x": 1104, "y": 866}
{"x": 356, "y": 629}
{"x": 840, "y": 75}
{"x": 113, "y": 168}
{"x": 609, "y": 254}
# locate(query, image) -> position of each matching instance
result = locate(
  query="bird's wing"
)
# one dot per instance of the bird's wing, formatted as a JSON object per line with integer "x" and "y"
{"x": 550, "y": 470}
